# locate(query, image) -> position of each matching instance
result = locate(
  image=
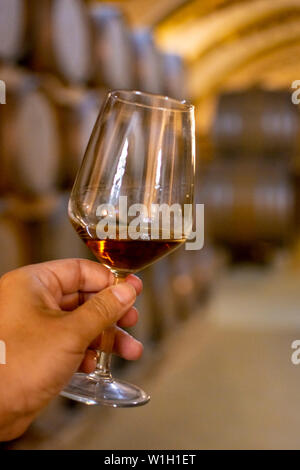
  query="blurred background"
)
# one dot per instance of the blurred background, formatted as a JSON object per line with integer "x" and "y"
{"x": 217, "y": 324}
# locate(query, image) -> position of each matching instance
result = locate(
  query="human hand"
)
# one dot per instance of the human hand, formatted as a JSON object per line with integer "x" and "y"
{"x": 51, "y": 314}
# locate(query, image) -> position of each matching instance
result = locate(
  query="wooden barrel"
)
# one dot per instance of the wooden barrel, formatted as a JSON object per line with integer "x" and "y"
{"x": 147, "y": 63}
{"x": 58, "y": 238}
{"x": 30, "y": 146}
{"x": 173, "y": 76}
{"x": 76, "y": 110}
{"x": 14, "y": 37}
{"x": 61, "y": 39}
{"x": 82, "y": 43}
{"x": 51, "y": 234}
{"x": 112, "y": 53}
{"x": 13, "y": 245}
{"x": 18, "y": 83}
{"x": 14, "y": 239}
{"x": 248, "y": 202}
{"x": 256, "y": 121}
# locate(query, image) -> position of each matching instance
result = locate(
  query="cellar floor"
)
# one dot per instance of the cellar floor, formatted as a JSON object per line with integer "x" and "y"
{"x": 225, "y": 378}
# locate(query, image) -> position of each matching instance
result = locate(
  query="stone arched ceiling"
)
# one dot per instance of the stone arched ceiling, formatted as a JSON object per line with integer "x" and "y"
{"x": 226, "y": 44}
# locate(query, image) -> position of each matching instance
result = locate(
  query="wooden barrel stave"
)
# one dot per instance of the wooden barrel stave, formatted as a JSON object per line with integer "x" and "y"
{"x": 76, "y": 109}
{"x": 256, "y": 121}
{"x": 61, "y": 39}
{"x": 14, "y": 240}
{"x": 173, "y": 76}
{"x": 248, "y": 202}
{"x": 14, "y": 29}
{"x": 147, "y": 62}
{"x": 111, "y": 50}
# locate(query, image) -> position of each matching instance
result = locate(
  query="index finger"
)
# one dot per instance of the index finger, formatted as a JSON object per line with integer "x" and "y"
{"x": 68, "y": 276}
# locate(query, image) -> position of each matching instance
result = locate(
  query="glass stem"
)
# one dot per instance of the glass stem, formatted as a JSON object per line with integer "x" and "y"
{"x": 104, "y": 354}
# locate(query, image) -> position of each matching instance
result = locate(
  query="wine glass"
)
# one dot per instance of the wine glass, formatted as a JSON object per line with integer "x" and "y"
{"x": 140, "y": 157}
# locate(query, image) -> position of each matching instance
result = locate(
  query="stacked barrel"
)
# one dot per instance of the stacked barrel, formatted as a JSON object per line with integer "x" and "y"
{"x": 250, "y": 187}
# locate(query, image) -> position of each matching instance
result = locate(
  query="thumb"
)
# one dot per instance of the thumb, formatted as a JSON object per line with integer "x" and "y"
{"x": 101, "y": 311}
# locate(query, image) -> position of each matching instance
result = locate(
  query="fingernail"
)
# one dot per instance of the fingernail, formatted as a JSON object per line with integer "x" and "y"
{"x": 124, "y": 292}
{"x": 135, "y": 282}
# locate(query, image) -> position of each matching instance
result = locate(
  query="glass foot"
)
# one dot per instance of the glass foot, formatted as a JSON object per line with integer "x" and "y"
{"x": 93, "y": 390}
